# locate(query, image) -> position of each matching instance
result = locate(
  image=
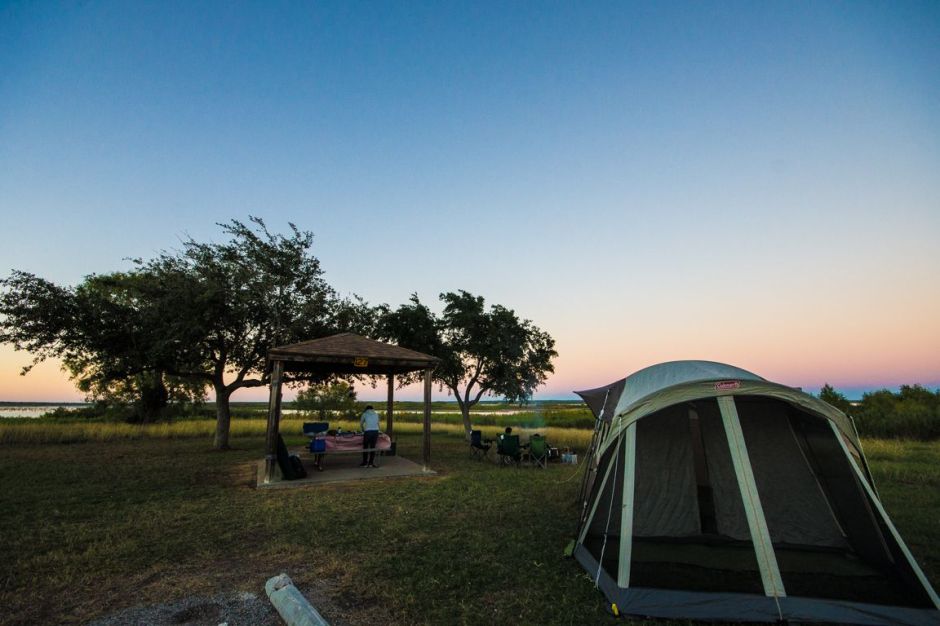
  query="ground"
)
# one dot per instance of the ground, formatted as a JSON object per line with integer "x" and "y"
{"x": 98, "y": 530}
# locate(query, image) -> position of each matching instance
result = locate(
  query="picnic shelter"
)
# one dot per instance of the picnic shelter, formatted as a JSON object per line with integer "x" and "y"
{"x": 345, "y": 353}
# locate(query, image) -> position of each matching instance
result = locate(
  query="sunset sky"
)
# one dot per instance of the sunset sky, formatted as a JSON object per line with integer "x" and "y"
{"x": 756, "y": 183}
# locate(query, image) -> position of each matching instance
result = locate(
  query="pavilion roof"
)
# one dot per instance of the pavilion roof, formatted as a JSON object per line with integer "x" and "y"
{"x": 348, "y": 353}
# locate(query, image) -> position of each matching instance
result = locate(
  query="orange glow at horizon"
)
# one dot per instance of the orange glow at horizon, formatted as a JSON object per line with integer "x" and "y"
{"x": 795, "y": 334}
{"x": 46, "y": 382}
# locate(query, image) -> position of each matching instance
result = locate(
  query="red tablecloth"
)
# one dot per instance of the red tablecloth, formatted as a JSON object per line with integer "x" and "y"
{"x": 341, "y": 443}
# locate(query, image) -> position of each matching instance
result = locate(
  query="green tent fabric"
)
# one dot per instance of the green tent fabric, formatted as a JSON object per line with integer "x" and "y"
{"x": 712, "y": 493}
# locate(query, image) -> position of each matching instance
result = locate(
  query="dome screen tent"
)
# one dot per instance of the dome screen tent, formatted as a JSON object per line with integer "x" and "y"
{"x": 714, "y": 494}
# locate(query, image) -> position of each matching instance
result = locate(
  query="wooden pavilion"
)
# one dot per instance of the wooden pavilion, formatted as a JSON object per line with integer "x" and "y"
{"x": 345, "y": 353}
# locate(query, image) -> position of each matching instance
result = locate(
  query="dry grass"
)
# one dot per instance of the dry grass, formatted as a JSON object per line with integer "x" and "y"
{"x": 43, "y": 432}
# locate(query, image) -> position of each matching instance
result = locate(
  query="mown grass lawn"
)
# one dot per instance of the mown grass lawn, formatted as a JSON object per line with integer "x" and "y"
{"x": 92, "y": 527}
{"x": 89, "y": 528}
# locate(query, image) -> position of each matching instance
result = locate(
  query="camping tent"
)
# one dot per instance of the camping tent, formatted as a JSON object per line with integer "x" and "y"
{"x": 712, "y": 493}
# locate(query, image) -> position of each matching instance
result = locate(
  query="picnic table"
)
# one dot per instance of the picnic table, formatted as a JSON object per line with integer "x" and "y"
{"x": 345, "y": 443}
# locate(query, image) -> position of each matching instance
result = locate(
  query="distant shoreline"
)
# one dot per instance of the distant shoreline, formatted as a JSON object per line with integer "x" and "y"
{"x": 49, "y": 403}
{"x": 5, "y": 403}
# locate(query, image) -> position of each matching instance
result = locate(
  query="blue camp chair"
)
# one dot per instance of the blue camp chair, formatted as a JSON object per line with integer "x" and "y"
{"x": 317, "y": 431}
{"x": 312, "y": 429}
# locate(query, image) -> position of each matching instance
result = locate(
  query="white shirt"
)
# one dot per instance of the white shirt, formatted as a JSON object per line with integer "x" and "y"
{"x": 369, "y": 420}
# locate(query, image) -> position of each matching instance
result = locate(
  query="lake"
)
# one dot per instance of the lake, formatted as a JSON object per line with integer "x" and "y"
{"x": 27, "y": 410}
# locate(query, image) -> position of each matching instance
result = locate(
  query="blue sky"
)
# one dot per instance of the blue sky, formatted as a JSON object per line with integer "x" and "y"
{"x": 745, "y": 182}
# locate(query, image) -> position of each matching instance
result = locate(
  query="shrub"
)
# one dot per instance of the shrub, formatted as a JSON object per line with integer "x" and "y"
{"x": 912, "y": 413}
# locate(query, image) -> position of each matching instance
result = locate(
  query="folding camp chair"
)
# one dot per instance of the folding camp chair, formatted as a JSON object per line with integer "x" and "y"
{"x": 508, "y": 449}
{"x": 317, "y": 431}
{"x": 538, "y": 451}
{"x": 479, "y": 447}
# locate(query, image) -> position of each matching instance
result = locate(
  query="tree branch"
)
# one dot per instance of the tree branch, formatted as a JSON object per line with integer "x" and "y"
{"x": 193, "y": 375}
{"x": 239, "y": 384}
{"x": 483, "y": 389}
{"x": 477, "y": 370}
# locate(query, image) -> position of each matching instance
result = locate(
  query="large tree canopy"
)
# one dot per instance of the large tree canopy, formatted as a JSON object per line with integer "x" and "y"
{"x": 103, "y": 331}
{"x": 483, "y": 352}
{"x": 206, "y": 315}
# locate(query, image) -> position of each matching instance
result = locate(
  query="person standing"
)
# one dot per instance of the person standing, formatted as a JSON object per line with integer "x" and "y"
{"x": 370, "y": 435}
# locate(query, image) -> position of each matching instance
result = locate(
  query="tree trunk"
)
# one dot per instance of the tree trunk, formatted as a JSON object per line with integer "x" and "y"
{"x": 153, "y": 396}
{"x": 465, "y": 412}
{"x": 223, "y": 419}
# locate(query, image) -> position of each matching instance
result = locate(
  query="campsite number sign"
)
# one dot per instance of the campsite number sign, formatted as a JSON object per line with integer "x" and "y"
{"x": 361, "y": 361}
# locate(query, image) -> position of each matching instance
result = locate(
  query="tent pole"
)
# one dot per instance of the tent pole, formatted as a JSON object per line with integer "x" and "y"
{"x": 887, "y": 520}
{"x": 427, "y": 419}
{"x": 274, "y": 415}
{"x": 389, "y": 420}
{"x": 757, "y": 523}
{"x": 861, "y": 451}
{"x": 626, "y": 510}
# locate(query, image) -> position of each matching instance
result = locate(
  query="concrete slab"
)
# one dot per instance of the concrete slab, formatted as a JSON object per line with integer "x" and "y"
{"x": 344, "y": 468}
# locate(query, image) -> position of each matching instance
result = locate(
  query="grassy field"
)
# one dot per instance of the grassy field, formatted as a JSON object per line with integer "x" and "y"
{"x": 98, "y": 517}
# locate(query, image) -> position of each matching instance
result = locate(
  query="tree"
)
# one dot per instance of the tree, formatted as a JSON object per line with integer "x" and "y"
{"x": 207, "y": 314}
{"x": 324, "y": 398}
{"x": 492, "y": 353}
{"x": 236, "y": 300}
{"x": 836, "y": 399}
{"x": 99, "y": 331}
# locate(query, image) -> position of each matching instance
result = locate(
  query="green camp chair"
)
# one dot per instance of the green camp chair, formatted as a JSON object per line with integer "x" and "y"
{"x": 538, "y": 451}
{"x": 508, "y": 449}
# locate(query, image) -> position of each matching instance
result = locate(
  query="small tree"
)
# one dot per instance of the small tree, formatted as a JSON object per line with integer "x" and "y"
{"x": 483, "y": 352}
{"x": 324, "y": 398}
{"x": 836, "y": 399}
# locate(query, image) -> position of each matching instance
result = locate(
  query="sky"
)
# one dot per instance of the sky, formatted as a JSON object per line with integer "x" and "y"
{"x": 756, "y": 183}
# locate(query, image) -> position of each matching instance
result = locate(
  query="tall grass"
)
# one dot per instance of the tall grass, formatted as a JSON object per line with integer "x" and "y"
{"x": 46, "y": 432}
{"x": 530, "y": 418}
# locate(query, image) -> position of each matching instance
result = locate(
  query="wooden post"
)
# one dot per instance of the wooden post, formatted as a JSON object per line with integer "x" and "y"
{"x": 427, "y": 418}
{"x": 274, "y": 419}
{"x": 389, "y": 420}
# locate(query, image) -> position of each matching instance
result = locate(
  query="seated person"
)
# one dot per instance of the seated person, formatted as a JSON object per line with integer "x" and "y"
{"x": 503, "y": 450}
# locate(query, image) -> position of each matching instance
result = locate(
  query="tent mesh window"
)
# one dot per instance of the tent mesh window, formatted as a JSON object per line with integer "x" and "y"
{"x": 603, "y": 535}
{"x": 690, "y": 529}
{"x": 828, "y": 538}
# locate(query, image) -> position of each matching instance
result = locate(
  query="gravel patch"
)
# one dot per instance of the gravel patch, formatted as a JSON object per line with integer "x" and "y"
{"x": 239, "y": 609}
